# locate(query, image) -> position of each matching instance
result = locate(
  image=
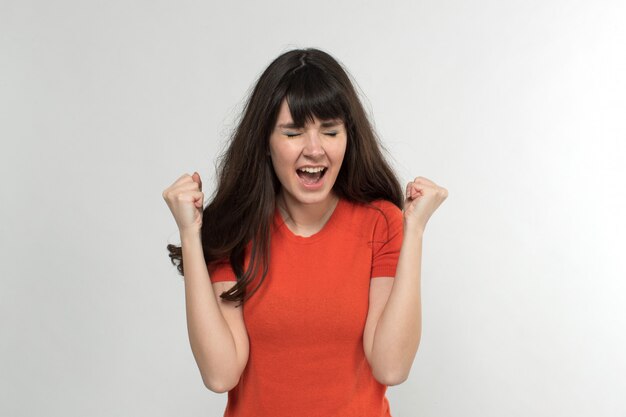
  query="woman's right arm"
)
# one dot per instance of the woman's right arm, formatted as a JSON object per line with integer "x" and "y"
{"x": 217, "y": 333}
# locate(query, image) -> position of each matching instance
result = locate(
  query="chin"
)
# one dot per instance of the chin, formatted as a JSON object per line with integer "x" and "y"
{"x": 311, "y": 197}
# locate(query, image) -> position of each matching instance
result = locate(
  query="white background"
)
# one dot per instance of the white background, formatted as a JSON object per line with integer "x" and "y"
{"x": 516, "y": 107}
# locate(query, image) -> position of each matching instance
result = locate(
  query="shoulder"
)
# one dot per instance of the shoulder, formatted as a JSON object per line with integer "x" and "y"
{"x": 390, "y": 216}
{"x": 375, "y": 206}
{"x": 386, "y": 206}
{"x": 372, "y": 217}
{"x": 381, "y": 210}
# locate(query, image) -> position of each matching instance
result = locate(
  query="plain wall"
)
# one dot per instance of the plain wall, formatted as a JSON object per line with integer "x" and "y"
{"x": 516, "y": 107}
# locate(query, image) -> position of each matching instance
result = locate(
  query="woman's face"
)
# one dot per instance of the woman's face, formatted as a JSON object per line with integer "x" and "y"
{"x": 317, "y": 146}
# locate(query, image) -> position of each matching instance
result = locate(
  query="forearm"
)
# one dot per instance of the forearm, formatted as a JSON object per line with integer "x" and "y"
{"x": 399, "y": 327}
{"x": 211, "y": 340}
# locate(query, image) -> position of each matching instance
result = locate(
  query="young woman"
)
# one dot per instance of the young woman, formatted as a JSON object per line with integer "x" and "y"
{"x": 302, "y": 274}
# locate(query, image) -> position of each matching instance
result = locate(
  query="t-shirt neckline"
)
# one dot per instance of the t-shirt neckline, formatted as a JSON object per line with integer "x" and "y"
{"x": 328, "y": 226}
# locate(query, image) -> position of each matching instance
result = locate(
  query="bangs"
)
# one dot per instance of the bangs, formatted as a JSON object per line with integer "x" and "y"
{"x": 313, "y": 93}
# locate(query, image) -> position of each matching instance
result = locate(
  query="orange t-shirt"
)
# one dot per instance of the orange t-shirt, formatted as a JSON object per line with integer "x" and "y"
{"x": 305, "y": 322}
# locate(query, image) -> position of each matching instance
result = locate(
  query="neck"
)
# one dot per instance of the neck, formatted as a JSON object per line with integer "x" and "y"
{"x": 307, "y": 218}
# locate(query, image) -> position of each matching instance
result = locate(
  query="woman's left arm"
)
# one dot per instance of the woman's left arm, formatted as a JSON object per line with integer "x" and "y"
{"x": 399, "y": 327}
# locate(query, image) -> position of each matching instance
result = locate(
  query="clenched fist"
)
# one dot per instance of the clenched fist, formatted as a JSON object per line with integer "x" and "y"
{"x": 185, "y": 200}
{"x": 423, "y": 197}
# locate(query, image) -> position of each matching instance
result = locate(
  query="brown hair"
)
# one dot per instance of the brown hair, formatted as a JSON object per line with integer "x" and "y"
{"x": 242, "y": 208}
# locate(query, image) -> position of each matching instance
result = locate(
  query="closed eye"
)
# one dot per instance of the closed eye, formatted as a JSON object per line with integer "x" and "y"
{"x": 293, "y": 135}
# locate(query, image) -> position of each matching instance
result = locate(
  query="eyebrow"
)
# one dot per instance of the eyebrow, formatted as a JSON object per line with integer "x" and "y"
{"x": 328, "y": 123}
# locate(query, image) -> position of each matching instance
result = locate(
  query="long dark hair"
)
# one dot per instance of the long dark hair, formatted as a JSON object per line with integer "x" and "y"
{"x": 242, "y": 208}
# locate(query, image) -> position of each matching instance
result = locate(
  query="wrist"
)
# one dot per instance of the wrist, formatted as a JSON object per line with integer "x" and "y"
{"x": 413, "y": 229}
{"x": 190, "y": 236}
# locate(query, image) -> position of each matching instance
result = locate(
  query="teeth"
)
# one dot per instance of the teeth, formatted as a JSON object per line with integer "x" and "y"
{"x": 312, "y": 170}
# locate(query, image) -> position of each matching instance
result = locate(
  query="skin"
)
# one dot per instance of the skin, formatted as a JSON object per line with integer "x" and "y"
{"x": 306, "y": 211}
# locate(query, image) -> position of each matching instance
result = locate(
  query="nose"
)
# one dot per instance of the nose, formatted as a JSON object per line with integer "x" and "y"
{"x": 313, "y": 145}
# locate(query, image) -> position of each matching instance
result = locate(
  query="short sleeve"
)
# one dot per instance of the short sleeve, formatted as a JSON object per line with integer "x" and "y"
{"x": 221, "y": 271}
{"x": 387, "y": 240}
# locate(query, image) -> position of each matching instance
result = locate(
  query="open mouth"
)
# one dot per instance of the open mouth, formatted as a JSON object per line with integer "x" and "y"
{"x": 311, "y": 177}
